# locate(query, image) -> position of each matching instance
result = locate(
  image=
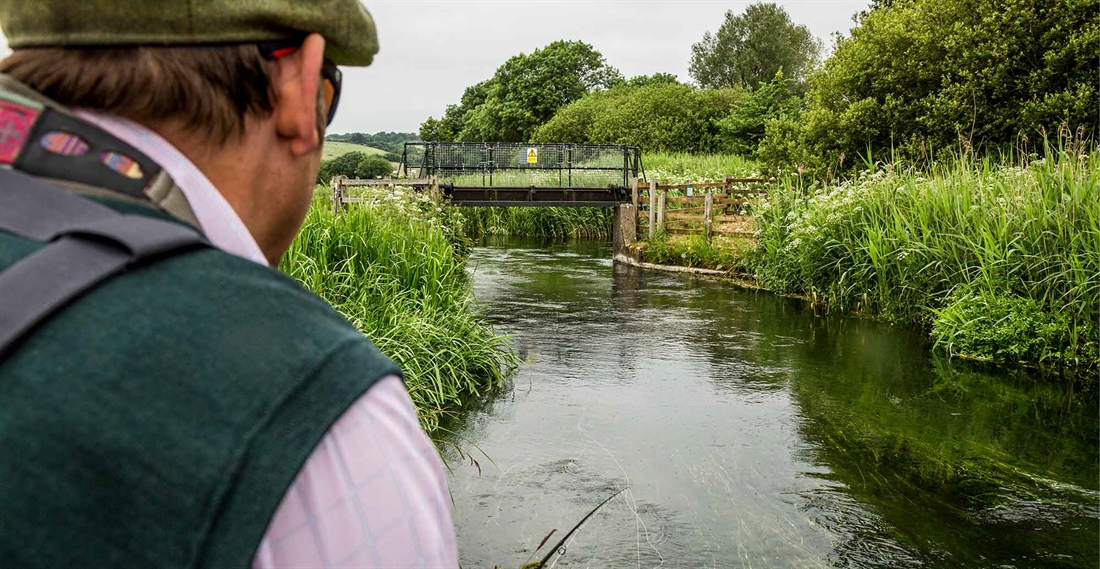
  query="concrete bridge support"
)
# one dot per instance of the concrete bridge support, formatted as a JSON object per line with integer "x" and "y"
{"x": 624, "y": 229}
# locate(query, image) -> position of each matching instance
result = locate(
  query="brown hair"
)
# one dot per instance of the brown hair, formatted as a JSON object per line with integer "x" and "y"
{"x": 210, "y": 90}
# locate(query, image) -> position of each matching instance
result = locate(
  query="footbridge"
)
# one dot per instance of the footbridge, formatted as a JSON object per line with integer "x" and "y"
{"x": 510, "y": 174}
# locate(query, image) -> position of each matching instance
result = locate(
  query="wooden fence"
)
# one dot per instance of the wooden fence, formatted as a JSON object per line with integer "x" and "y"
{"x": 707, "y": 208}
{"x": 340, "y": 184}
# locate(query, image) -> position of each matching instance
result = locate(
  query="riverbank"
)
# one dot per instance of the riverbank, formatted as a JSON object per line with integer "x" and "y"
{"x": 395, "y": 267}
{"x": 999, "y": 263}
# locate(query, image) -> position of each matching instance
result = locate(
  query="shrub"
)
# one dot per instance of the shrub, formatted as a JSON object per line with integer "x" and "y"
{"x": 1001, "y": 325}
{"x": 373, "y": 166}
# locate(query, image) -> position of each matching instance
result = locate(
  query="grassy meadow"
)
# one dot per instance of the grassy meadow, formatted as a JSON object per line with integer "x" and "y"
{"x": 334, "y": 149}
{"x": 396, "y": 269}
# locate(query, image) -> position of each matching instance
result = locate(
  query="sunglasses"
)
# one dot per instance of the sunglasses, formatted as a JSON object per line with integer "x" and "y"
{"x": 331, "y": 78}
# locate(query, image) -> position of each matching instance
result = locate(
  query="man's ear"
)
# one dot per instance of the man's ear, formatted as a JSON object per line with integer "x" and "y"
{"x": 296, "y": 88}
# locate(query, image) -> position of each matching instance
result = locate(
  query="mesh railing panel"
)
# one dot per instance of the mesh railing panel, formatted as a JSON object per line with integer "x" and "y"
{"x": 502, "y": 164}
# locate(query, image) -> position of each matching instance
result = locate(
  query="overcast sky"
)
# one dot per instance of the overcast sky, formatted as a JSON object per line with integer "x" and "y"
{"x": 432, "y": 50}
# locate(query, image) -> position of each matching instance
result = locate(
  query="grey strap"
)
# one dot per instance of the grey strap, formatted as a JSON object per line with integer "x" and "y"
{"x": 90, "y": 243}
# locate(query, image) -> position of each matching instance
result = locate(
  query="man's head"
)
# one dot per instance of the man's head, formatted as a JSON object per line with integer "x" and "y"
{"x": 242, "y": 88}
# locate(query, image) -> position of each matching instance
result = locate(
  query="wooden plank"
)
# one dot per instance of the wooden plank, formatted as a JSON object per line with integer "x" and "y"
{"x": 689, "y": 219}
{"x": 678, "y": 214}
{"x": 684, "y": 199}
{"x": 696, "y": 185}
{"x": 387, "y": 182}
{"x": 698, "y": 208}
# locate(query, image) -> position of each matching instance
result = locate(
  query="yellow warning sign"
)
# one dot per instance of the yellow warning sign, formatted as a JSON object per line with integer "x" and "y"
{"x": 532, "y": 155}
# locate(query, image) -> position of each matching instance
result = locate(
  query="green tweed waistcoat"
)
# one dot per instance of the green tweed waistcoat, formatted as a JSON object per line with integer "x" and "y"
{"x": 158, "y": 420}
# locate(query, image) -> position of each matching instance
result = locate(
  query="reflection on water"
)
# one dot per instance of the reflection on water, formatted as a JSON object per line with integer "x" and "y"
{"x": 752, "y": 434}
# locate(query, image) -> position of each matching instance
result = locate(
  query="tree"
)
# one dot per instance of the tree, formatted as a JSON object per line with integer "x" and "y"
{"x": 743, "y": 129}
{"x": 343, "y": 165}
{"x": 750, "y": 48}
{"x": 373, "y": 166}
{"x": 448, "y": 128}
{"x": 660, "y": 116}
{"x": 655, "y": 79}
{"x": 922, "y": 78}
{"x": 524, "y": 93}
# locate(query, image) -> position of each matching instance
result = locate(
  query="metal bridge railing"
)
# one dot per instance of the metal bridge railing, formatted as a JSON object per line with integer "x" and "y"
{"x": 520, "y": 165}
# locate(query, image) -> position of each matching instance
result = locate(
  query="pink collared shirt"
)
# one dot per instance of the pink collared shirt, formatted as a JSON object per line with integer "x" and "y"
{"x": 373, "y": 493}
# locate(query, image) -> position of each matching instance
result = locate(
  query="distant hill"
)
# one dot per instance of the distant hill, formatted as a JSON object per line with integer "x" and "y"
{"x": 334, "y": 148}
{"x": 388, "y": 141}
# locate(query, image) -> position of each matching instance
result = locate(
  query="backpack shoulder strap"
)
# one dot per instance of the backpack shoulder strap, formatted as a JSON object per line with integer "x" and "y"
{"x": 89, "y": 244}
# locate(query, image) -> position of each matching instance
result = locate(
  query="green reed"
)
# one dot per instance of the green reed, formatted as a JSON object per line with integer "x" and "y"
{"x": 681, "y": 167}
{"x": 390, "y": 268}
{"x": 582, "y": 222}
{"x": 998, "y": 262}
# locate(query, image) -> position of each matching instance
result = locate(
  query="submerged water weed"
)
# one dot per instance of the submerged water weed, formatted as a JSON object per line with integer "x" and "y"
{"x": 899, "y": 244}
{"x": 391, "y": 268}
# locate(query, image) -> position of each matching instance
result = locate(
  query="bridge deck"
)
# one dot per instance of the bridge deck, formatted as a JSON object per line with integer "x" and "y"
{"x": 472, "y": 196}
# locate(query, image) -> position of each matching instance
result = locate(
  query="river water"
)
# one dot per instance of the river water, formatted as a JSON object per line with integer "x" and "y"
{"x": 750, "y": 433}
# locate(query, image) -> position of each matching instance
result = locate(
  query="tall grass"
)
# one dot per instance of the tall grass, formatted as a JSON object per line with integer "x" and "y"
{"x": 998, "y": 262}
{"x": 392, "y": 270}
{"x": 681, "y": 167}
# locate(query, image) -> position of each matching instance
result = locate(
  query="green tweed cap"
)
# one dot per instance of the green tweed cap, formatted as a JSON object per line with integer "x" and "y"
{"x": 348, "y": 29}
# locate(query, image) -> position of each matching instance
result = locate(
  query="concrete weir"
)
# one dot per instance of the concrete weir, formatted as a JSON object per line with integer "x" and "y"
{"x": 624, "y": 229}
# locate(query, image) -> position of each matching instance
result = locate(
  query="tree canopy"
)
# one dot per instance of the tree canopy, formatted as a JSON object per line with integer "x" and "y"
{"x": 921, "y": 78}
{"x": 525, "y": 92}
{"x": 750, "y": 48}
{"x": 657, "y": 115}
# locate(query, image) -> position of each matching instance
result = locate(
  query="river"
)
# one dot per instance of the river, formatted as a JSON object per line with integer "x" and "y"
{"x": 751, "y": 433}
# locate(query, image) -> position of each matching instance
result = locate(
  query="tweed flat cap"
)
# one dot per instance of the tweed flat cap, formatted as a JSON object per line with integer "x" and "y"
{"x": 348, "y": 29}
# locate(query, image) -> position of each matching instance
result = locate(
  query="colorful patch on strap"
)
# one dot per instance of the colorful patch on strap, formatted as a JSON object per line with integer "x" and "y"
{"x": 64, "y": 143}
{"x": 16, "y": 121}
{"x": 122, "y": 164}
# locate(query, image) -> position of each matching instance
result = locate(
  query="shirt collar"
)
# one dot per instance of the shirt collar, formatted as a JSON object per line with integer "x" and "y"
{"x": 221, "y": 224}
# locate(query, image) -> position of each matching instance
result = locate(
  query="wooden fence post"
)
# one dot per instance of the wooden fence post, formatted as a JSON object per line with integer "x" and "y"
{"x": 652, "y": 207}
{"x": 634, "y": 199}
{"x": 434, "y": 191}
{"x": 661, "y": 210}
{"x": 707, "y": 214}
{"x": 337, "y": 196}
